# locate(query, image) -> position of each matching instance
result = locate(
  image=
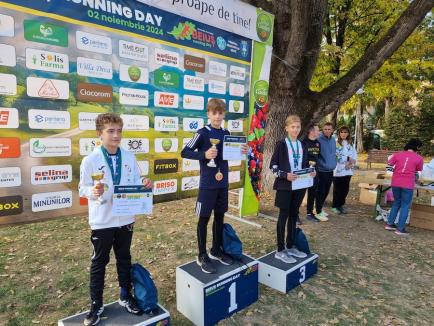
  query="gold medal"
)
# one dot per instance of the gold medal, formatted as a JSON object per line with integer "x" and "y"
{"x": 219, "y": 176}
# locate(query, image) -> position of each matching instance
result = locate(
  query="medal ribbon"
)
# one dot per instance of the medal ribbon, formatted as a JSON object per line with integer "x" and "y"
{"x": 116, "y": 175}
{"x": 295, "y": 155}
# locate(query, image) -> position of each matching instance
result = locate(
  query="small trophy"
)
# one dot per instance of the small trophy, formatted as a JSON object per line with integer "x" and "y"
{"x": 312, "y": 164}
{"x": 214, "y": 142}
{"x": 97, "y": 177}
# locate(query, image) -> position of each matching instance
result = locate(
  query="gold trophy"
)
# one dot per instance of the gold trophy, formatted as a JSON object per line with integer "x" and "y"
{"x": 97, "y": 177}
{"x": 312, "y": 164}
{"x": 214, "y": 142}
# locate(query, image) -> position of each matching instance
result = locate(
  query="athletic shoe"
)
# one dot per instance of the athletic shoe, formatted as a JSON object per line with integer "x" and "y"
{"x": 222, "y": 257}
{"x": 299, "y": 220}
{"x": 389, "y": 227}
{"x": 336, "y": 211}
{"x": 403, "y": 232}
{"x": 205, "y": 264}
{"x": 296, "y": 253}
{"x": 93, "y": 316}
{"x": 281, "y": 255}
{"x": 343, "y": 210}
{"x": 312, "y": 218}
{"x": 130, "y": 305}
{"x": 322, "y": 217}
{"x": 325, "y": 213}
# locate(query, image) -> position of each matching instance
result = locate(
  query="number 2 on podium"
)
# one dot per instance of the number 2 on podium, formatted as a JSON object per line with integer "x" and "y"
{"x": 233, "y": 294}
{"x": 303, "y": 274}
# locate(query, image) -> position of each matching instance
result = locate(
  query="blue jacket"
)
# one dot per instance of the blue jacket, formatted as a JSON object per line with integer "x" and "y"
{"x": 327, "y": 156}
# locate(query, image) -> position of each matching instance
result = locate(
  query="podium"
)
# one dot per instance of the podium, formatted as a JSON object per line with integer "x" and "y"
{"x": 284, "y": 277}
{"x": 206, "y": 299}
{"x": 115, "y": 315}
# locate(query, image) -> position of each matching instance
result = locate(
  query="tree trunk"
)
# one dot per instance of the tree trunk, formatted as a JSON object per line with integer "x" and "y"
{"x": 359, "y": 127}
{"x": 386, "y": 110}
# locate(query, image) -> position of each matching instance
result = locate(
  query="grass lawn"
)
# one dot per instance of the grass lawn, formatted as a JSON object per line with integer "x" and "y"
{"x": 366, "y": 276}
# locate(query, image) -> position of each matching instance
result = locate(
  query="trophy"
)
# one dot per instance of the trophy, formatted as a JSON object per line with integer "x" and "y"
{"x": 214, "y": 142}
{"x": 97, "y": 177}
{"x": 312, "y": 164}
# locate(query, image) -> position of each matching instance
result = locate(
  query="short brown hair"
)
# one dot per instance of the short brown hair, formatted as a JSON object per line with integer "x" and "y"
{"x": 328, "y": 124}
{"x": 291, "y": 119}
{"x": 216, "y": 104}
{"x": 107, "y": 118}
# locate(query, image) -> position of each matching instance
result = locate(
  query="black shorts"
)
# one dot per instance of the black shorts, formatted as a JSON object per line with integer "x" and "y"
{"x": 212, "y": 199}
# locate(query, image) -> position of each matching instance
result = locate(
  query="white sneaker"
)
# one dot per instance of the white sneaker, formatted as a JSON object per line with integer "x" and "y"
{"x": 281, "y": 255}
{"x": 322, "y": 217}
{"x": 296, "y": 253}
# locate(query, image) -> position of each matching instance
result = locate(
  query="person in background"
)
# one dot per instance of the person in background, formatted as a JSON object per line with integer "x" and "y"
{"x": 406, "y": 163}
{"x": 346, "y": 156}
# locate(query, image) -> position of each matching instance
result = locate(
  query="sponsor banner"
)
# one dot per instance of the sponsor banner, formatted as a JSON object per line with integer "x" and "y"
{"x": 51, "y": 200}
{"x": 236, "y": 106}
{"x": 192, "y": 124}
{"x": 237, "y": 73}
{"x": 190, "y": 165}
{"x": 11, "y": 205}
{"x": 133, "y": 51}
{"x": 87, "y": 145}
{"x": 49, "y": 119}
{"x": 8, "y": 84}
{"x": 10, "y": 177}
{"x": 234, "y": 176}
{"x": 166, "y": 58}
{"x": 217, "y": 69}
{"x": 166, "y": 78}
{"x": 234, "y": 162}
{"x": 190, "y": 183}
{"x": 47, "y": 61}
{"x": 7, "y": 55}
{"x": 43, "y": 32}
{"x": 133, "y": 74}
{"x": 194, "y": 63}
{"x": 166, "y": 100}
{"x": 133, "y": 96}
{"x": 135, "y": 122}
{"x": 47, "y": 88}
{"x": 93, "y": 42}
{"x": 94, "y": 93}
{"x": 194, "y": 83}
{"x": 86, "y": 120}
{"x": 166, "y": 166}
{"x": 217, "y": 87}
{"x": 7, "y": 26}
{"x": 166, "y": 123}
{"x": 9, "y": 118}
{"x": 94, "y": 68}
{"x": 162, "y": 187}
{"x": 143, "y": 167}
{"x": 48, "y": 174}
{"x": 166, "y": 145}
{"x": 50, "y": 147}
{"x": 10, "y": 147}
{"x": 192, "y": 102}
{"x": 235, "y": 125}
{"x": 236, "y": 89}
{"x": 135, "y": 145}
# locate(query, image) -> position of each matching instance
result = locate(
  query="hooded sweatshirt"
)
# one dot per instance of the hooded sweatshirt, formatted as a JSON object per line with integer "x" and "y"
{"x": 327, "y": 156}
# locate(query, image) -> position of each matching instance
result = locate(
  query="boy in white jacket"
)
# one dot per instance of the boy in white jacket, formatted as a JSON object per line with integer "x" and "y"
{"x": 117, "y": 167}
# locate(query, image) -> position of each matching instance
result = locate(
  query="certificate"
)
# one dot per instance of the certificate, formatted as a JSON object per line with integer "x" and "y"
{"x": 132, "y": 200}
{"x": 232, "y": 148}
{"x": 304, "y": 180}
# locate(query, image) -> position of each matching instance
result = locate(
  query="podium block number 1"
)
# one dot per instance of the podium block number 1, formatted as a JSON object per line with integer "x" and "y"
{"x": 233, "y": 294}
{"x": 303, "y": 273}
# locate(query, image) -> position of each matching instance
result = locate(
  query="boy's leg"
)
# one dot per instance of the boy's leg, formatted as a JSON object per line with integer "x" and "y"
{"x": 280, "y": 228}
{"x": 296, "y": 198}
{"x": 121, "y": 248}
{"x": 311, "y": 194}
{"x": 220, "y": 208}
{"x": 320, "y": 193}
{"x": 202, "y": 224}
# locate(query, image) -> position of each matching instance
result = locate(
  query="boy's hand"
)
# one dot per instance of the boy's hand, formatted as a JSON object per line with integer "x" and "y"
{"x": 211, "y": 153}
{"x": 98, "y": 189}
{"x": 244, "y": 149}
{"x": 147, "y": 183}
{"x": 313, "y": 174}
{"x": 291, "y": 176}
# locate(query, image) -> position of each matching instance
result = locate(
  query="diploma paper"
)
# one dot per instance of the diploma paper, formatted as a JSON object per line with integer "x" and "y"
{"x": 131, "y": 200}
{"x": 232, "y": 147}
{"x": 304, "y": 180}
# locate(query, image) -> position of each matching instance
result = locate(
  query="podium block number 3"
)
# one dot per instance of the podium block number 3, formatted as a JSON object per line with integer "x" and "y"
{"x": 302, "y": 273}
{"x": 233, "y": 294}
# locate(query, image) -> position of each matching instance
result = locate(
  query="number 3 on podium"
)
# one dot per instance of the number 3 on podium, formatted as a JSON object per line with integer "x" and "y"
{"x": 303, "y": 274}
{"x": 233, "y": 294}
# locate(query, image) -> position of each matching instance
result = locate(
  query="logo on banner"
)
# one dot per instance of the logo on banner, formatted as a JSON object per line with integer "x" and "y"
{"x": 192, "y": 124}
{"x": 50, "y": 147}
{"x": 11, "y": 205}
{"x": 166, "y": 145}
{"x": 166, "y": 123}
{"x": 166, "y": 58}
{"x": 94, "y": 68}
{"x": 10, "y": 147}
{"x": 217, "y": 68}
{"x": 221, "y": 43}
{"x": 166, "y": 166}
{"x": 48, "y": 174}
{"x": 244, "y": 49}
{"x": 87, "y": 145}
{"x": 162, "y": 187}
{"x": 94, "y": 93}
{"x": 135, "y": 145}
{"x": 10, "y": 177}
{"x": 260, "y": 92}
{"x": 234, "y": 176}
{"x": 194, "y": 83}
{"x": 193, "y": 102}
{"x": 194, "y": 63}
{"x": 217, "y": 87}
{"x": 133, "y": 74}
{"x": 93, "y": 42}
{"x": 135, "y": 122}
{"x": 47, "y": 88}
{"x": 87, "y": 120}
{"x": 166, "y": 100}
{"x": 51, "y": 200}
{"x": 47, "y": 61}
{"x": 8, "y": 84}
{"x": 49, "y": 119}
{"x": 143, "y": 167}
{"x": 237, "y": 73}
{"x": 43, "y": 32}
{"x": 7, "y": 26}
{"x": 190, "y": 183}
{"x": 190, "y": 165}
{"x": 264, "y": 27}
{"x": 166, "y": 78}
{"x": 7, "y": 55}
{"x": 9, "y": 118}
{"x": 133, "y": 96}
{"x": 236, "y": 89}
{"x": 134, "y": 51}
{"x": 235, "y": 125}
{"x": 236, "y": 106}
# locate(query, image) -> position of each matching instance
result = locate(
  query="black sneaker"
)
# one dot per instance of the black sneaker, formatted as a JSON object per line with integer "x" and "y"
{"x": 299, "y": 222}
{"x": 205, "y": 264}
{"x": 343, "y": 210}
{"x": 130, "y": 305}
{"x": 93, "y": 316}
{"x": 311, "y": 217}
{"x": 223, "y": 258}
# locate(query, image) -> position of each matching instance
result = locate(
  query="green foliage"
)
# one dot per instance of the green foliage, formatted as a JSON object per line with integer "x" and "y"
{"x": 401, "y": 126}
{"x": 426, "y": 121}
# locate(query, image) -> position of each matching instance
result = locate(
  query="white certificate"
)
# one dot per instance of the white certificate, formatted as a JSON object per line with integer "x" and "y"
{"x": 304, "y": 180}
{"x": 132, "y": 200}
{"x": 232, "y": 148}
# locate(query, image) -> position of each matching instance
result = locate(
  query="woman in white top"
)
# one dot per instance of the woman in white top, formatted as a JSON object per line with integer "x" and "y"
{"x": 346, "y": 157}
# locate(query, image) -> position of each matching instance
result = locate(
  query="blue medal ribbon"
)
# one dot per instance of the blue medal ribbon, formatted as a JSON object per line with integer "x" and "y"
{"x": 295, "y": 155}
{"x": 116, "y": 175}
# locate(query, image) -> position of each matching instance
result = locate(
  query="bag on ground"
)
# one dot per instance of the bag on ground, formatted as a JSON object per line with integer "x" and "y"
{"x": 232, "y": 244}
{"x": 301, "y": 241}
{"x": 145, "y": 291}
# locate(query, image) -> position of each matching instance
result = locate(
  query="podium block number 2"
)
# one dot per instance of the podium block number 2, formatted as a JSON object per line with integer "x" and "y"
{"x": 302, "y": 273}
{"x": 233, "y": 296}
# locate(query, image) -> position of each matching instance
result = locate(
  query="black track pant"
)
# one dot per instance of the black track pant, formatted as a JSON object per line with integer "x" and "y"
{"x": 217, "y": 233}
{"x": 325, "y": 180}
{"x": 341, "y": 187}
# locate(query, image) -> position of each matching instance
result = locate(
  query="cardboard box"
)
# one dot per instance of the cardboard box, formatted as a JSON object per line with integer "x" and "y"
{"x": 422, "y": 216}
{"x": 368, "y": 193}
